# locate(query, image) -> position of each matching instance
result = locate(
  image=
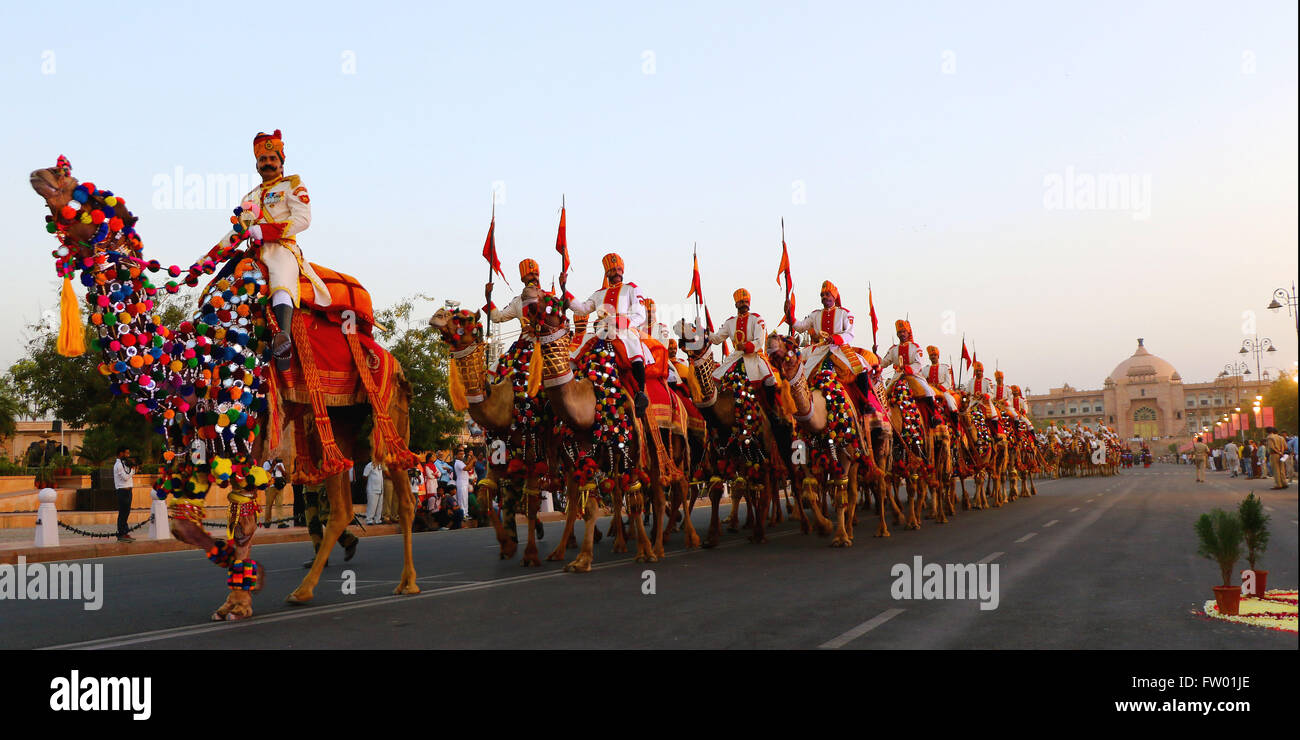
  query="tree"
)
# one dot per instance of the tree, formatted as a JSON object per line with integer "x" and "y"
{"x": 1283, "y": 397}
{"x": 425, "y": 360}
{"x": 72, "y": 388}
{"x": 11, "y": 408}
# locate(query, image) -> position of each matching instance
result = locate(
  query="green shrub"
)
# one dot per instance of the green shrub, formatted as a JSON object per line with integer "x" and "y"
{"x": 1254, "y": 527}
{"x": 1220, "y": 536}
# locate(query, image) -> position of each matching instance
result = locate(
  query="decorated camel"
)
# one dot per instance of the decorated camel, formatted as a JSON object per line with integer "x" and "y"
{"x": 208, "y": 388}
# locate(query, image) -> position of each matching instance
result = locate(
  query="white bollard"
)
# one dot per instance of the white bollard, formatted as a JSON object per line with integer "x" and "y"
{"x": 47, "y": 518}
{"x": 160, "y": 527}
{"x": 546, "y": 504}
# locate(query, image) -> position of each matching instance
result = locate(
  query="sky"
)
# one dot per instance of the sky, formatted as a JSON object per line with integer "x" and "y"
{"x": 942, "y": 153}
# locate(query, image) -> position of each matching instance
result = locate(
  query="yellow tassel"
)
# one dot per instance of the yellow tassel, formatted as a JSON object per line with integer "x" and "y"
{"x": 456, "y": 387}
{"x": 687, "y": 374}
{"x": 535, "y": 370}
{"x": 72, "y": 333}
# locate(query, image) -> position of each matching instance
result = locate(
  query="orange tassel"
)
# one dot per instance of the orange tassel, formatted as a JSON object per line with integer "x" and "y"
{"x": 72, "y": 333}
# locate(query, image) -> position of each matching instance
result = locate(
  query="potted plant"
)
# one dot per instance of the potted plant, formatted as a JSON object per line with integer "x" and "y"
{"x": 62, "y": 465}
{"x": 1254, "y": 530}
{"x": 1220, "y": 538}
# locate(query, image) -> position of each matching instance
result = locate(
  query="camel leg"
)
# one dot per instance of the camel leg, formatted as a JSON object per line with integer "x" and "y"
{"x": 811, "y": 498}
{"x": 532, "y": 503}
{"x": 882, "y": 529}
{"x": 484, "y": 494}
{"x": 715, "y": 521}
{"x": 797, "y": 510}
{"x": 682, "y": 488}
{"x": 657, "y": 491}
{"x": 193, "y": 534}
{"x": 340, "y": 499}
{"x": 644, "y": 549}
{"x": 851, "y": 515}
{"x": 915, "y": 501}
{"x": 405, "y": 515}
{"x": 838, "y": 492}
{"x": 616, "y": 527}
{"x": 761, "y": 492}
{"x": 571, "y": 506}
{"x": 582, "y": 563}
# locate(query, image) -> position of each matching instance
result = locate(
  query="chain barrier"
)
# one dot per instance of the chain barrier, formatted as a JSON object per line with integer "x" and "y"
{"x": 134, "y": 527}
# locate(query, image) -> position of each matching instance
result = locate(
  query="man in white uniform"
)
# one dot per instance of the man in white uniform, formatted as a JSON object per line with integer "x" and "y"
{"x": 283, "y": 210}
{"x": 748, "y": 334}
{"x": 620, "y": 315}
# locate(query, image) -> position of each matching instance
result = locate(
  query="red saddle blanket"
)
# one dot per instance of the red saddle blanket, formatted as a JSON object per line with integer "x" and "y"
{"x": 346, "y": 294}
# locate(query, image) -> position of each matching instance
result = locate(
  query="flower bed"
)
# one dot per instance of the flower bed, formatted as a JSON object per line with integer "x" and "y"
{"x": 1276, "y": 610}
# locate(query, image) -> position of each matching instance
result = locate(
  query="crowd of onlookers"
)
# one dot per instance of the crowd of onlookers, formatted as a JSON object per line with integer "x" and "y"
{"x": 1252, "y": 458}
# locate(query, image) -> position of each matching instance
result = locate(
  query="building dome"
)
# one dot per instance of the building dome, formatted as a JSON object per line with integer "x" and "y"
{"x": 1143, "y": 366}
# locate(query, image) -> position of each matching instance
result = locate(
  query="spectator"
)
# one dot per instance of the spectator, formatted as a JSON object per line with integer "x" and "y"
{"x": 123, "y": 482}
{"x": 1230, "y": 458}
{"x": 1292, "y": 449}
{"x": 1218, "y": 463}
{"x": 374, "y": 475}
{"x": 449, "y": 515}
{"x": 445, "y": 471}
{"x": 275, "y": 491}
{"x": 1248, "y": 459}
{"x": 462, "y": 481}
{"x": 1199, "y": 453}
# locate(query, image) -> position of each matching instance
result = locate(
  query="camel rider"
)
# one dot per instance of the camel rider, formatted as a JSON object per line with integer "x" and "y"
{"x": 1019, "y": 405}
{"x": 530, "y": 274}
{"x": 285, "y": 211}
{"x": 979, "y": 389}
{"x": 906, "y": 358}
{"x": 657, "y": 335}
{"x": 620, "y": 314}
{"x": 1002, "y": 398}
{"x": 748, "y": 334}
{"x": 939, "y": 377}
{"x": 831, "y": 326}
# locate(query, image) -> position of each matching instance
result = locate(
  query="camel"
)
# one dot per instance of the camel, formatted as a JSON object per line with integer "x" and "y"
{"x": 611, "y": 442}
{"x": 755, "y": 469}
{"x": 837, "y": 442}
{"x": 496, "y": 407}
{"x": 97, "y": 234}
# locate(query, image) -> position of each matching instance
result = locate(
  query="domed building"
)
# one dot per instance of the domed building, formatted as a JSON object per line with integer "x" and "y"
{"x": 1145, "y": 397}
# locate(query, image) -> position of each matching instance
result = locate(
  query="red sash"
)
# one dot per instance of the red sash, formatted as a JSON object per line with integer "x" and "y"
{"x": 742, "y": 326}
{"x": 934, "y": 375}
{"x": 611, "y": 299}
{"x": 828, "y": 321}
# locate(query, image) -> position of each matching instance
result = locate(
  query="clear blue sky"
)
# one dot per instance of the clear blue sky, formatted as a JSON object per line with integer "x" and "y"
{"x": 930, "y": 185}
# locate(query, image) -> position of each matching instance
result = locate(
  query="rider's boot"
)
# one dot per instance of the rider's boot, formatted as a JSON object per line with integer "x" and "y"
{"x": 642, "y": 400}
{"x": 282, "y": 343}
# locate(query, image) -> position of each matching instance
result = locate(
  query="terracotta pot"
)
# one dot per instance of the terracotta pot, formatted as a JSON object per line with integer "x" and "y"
{"x": 1261, "y": 583}
{"x": 1228, "y": 599}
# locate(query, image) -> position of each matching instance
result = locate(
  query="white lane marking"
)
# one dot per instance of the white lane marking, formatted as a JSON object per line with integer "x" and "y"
{"x": 1027, "y": 537}
{"x": 861, "y": 629}
{"x": 1074, "y": 510}
{"x": 1054, "y": 521}
{"x": 1089, "y": 500}
{"x": 186, "y": 631}
{"x": 989, "y": 558}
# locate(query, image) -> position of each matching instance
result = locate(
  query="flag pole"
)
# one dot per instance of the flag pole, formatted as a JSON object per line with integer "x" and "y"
{"x": 488, "y": 308}
{"x": 961, "y": 360}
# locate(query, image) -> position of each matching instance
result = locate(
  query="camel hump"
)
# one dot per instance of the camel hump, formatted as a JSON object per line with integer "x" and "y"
{"x": 346, "y": 294}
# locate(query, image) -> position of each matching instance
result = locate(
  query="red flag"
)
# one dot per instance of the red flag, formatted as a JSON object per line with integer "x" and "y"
{"x": 562, "y": 243}
{"x": 490, "y": 250}
{"x": 783, "y": 270}
{"x": 974, "y": 358}
{"x": 695, "y": 283}
{"x": 1267, "y": 413}
{"x": 875, "y": 323}
{"x": 965, "y": 354}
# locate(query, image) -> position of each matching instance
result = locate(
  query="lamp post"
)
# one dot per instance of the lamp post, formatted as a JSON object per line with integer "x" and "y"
{"x": 1256, "y": 347}
{"x": 1287, "y": 299}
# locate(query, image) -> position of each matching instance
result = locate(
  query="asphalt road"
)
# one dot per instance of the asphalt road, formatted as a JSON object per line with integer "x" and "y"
{"x": 1091, "y": 563}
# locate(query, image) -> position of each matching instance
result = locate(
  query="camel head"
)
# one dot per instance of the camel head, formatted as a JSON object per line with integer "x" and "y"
{"x": 84, "y": 217}
{"x": 545, "y": 310}
{"x": 784, "y": 353}
{"x": 692, "y": 339}
{"x": 458, "y": 328}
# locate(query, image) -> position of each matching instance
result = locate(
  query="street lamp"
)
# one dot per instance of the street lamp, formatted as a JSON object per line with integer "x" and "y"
{"x": 1288, "y": 299}
{"x": 1256, "y": 347}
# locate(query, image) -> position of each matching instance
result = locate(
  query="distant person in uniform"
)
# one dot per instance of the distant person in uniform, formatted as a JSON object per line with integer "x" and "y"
{"x": 1200, "y": 451}
{"x": 1231, "y": 459}
{"x": 1276, "y": 445}
{"x": 318, "y": 511}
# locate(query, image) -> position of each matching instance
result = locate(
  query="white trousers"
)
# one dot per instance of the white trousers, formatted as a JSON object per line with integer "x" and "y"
{"x": 374, "y": 507}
